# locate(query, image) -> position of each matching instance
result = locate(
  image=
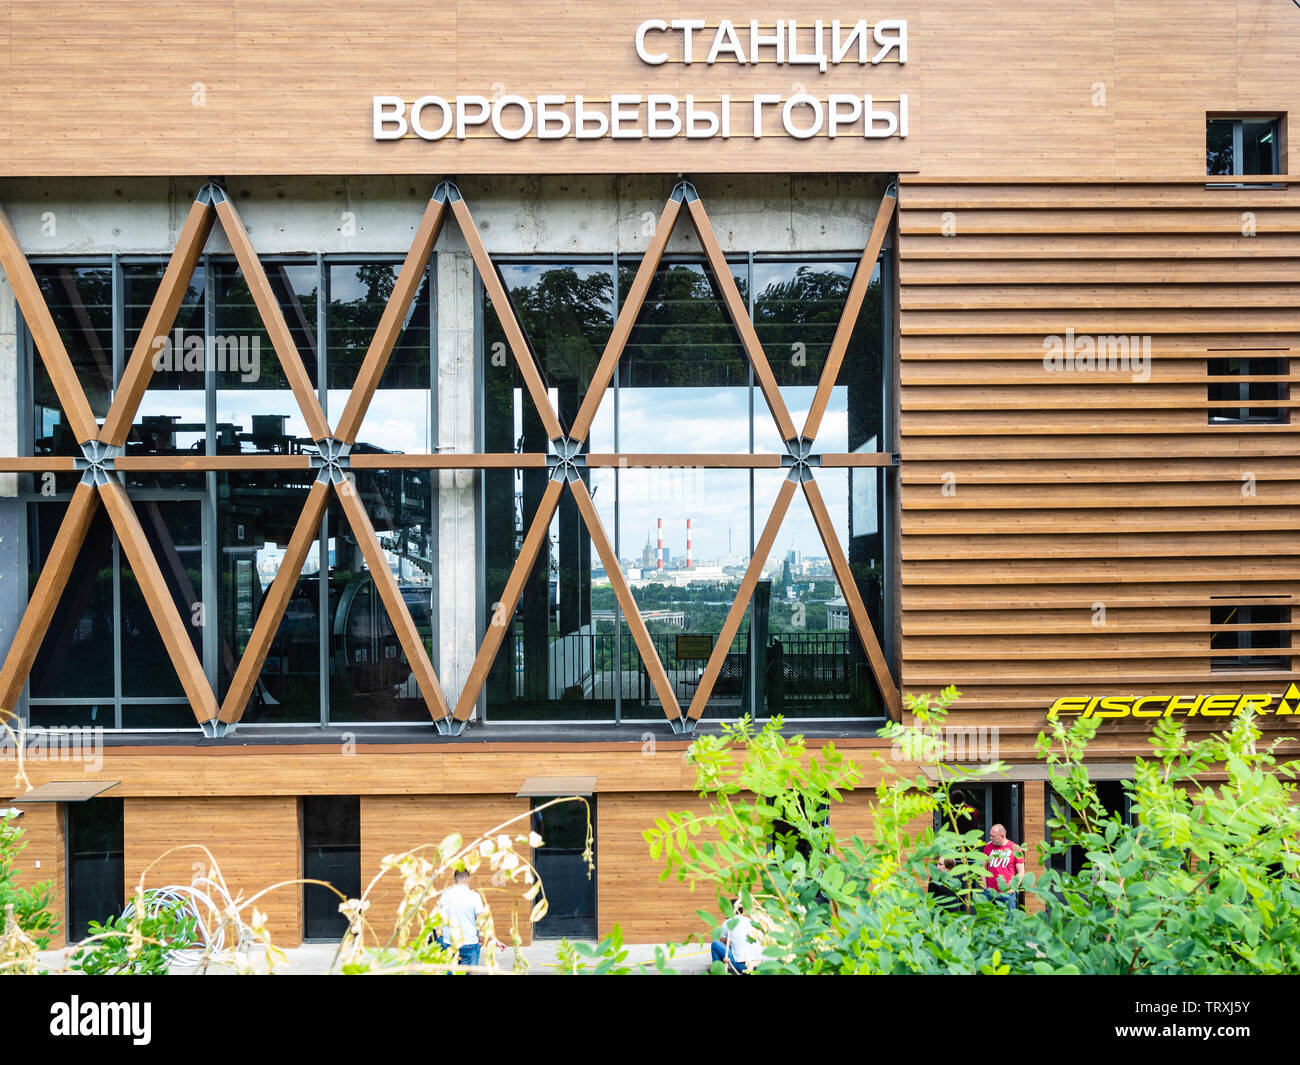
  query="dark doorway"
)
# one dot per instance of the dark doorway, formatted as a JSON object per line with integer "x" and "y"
{"x": 986, "y": 805}
{"x": 331, "y": 851}
{"x": 570, "y": 892}
{"x": 96, "y": 868}
{"x": 1112, "y": 795}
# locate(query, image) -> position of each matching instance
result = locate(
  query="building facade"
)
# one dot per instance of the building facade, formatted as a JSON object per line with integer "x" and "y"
{"x": 492, "y": 413}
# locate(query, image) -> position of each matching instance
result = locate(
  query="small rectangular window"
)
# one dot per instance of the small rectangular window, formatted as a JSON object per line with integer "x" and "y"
{"x": 331, "y": 851}
{"x": 1243, "y": 146}
{"x": 1250, "y": 636}
{"x": 96, "y": 864}
{"x": 1244, "y": 400}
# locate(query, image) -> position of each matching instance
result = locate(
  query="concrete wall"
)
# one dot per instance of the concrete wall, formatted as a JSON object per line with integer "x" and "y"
{"x": 516, "y": 216}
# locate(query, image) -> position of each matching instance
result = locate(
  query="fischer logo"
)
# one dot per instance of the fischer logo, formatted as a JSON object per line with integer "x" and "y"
{"x": 1153, "y": 706}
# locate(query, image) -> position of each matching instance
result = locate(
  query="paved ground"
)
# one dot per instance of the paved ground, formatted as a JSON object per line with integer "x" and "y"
{"x": 315, "y": 958}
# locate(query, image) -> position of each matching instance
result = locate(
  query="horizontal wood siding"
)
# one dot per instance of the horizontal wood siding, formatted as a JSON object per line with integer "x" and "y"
{"x": 394, "y": 824}
{"x": 1032, "y": 498}
{"x": 628, "y": 889}
{"x": 254, "y": 841}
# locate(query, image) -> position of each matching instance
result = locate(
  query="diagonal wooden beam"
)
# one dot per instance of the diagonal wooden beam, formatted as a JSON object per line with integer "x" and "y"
{"x": 640, "y": 634}
{"x": 391, "y": 321}
{"x": 740, "y": 318}
{"x": 273, "y": 319}
{"x": 158, "y": 323}
{"x": 45, "y": 596}
{"x": 722, "y": 647}
{"x": 852, "y": 597}
{"x": 158, "y": 597}
{"x": 31, "y": 301}
{"x": 503, "y": 613}
{"x": 627, "y": 316}
{"x": 274, "y": 604}
{"x": 849, "y": 317}
{"x": 509, "y": 323}
{"x": 417, "y": 656}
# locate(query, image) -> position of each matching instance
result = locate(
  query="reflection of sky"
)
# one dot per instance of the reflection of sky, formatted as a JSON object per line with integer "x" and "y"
{"x": 397, "y": 419}
{"x": 708, "y": 421}
{"x": 717, "y": 502}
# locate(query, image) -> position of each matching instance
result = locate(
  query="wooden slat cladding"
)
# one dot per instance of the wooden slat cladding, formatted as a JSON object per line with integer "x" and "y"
{"x": 394, "y": 824}
{"x": 256, "y": 843}
{"x": 1068, "y": 531}
{"x": 629, "y": 891}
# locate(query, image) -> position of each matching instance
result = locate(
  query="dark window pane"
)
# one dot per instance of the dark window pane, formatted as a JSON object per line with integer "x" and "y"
{"x": 570, "y": 891}
{"x": 331, "y": 851}
{"x": 370, "y": 677}
{"x": 76, "y": 655}
{"x": 96, "y": 867}
{"x": 1247, "y": 393}
{"x": 256, "y": 516}
{"x": 1218, "y": 146}
{"x": 1246, "y": 629}
{"x": 58, "y": 715}
{"x": 80, "y": 299}
{"x": 557, "y": 658}
{"x": 173, "y": 531}
{"x": 1259, "y": 146}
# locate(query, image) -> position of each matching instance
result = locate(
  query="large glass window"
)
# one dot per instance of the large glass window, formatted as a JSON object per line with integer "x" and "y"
{"x": 218, "y": 389}
{"x": 684, "y": 530}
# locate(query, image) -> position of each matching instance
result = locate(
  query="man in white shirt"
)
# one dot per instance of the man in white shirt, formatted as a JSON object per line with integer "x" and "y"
{"x": 738, "y": 945}
{"x": 459, "y": 913}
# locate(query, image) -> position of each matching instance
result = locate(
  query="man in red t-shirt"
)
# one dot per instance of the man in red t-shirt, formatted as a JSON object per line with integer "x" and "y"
{"x": 1006, "y": 865}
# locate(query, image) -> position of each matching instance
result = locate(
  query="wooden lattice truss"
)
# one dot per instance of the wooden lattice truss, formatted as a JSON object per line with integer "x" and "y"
{"x": 103, "y": 447}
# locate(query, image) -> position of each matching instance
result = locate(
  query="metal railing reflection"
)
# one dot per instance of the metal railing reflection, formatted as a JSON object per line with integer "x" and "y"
{"x": 816, "y": 672}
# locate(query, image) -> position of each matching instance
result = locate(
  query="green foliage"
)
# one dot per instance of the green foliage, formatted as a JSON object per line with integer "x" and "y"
{"x": 137, "y": 944}
{"x": 30, "y": 914}
{"x": 1206, "y": 879}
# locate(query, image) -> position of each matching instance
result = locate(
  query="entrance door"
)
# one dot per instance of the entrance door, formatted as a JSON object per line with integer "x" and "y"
{"x": 986, "y": 805}
{"x": 570, "y": 892}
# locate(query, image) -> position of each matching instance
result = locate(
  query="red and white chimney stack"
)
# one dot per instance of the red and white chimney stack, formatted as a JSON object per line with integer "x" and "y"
{"x": 660, "y": 552}
{"x": 688, "y": 543}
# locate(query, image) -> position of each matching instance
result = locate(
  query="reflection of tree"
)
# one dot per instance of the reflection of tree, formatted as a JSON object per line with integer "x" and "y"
{"x": 683, "y": 337}
{"x": 352, "y": 325}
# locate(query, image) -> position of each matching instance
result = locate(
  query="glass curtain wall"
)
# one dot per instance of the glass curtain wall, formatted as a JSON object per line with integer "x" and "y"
{"x": 219, "y": 537}
{"x": 684, "y": 533}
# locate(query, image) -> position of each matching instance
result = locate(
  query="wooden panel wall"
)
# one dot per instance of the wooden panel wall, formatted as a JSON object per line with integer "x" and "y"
{"x": 394, "y": 824}
{"x": 452, "y": 769}
{"x": 1102, "y": 89}
{"x": 256, "y": 843}
{"x": 628, "y": 888}
{"x": 44, "y": 833}
{"x": 1031, "y": 499}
